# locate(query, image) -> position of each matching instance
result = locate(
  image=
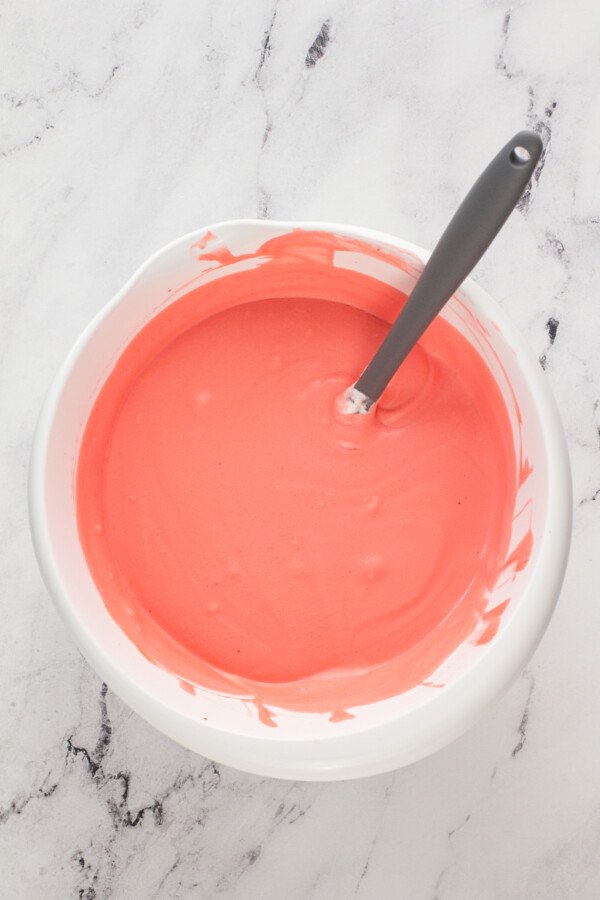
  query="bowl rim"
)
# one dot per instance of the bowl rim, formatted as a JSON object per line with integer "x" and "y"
{"x": 401, "y": 739}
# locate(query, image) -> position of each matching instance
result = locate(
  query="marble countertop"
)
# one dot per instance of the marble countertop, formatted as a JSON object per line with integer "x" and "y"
{"x": 126, "y": 124}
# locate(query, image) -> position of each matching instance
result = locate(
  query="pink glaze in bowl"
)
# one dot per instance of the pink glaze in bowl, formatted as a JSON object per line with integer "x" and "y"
{"x": 230, "y": 729}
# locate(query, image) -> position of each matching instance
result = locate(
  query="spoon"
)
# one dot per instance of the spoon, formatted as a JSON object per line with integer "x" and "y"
{"x": 470, "y": 232}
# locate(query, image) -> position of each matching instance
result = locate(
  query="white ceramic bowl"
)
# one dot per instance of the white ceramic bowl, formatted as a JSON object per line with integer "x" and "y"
{"x": 383, "y": 735}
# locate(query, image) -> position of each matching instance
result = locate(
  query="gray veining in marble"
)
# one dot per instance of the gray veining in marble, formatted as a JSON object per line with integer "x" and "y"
{"x": 125, "y": 124}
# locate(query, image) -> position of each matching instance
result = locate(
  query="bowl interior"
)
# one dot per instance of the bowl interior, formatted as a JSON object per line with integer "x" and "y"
{"x": 172, "y": 273}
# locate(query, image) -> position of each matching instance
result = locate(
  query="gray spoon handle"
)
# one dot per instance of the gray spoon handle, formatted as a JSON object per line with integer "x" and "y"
{"x": 472, "y": 229}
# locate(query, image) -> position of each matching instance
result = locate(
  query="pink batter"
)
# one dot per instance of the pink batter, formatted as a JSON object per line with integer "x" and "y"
{"x": 248, "y": 538}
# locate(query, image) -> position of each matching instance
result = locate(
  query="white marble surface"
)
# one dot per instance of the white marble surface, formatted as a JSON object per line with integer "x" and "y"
{"x": 125, "y": 124}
